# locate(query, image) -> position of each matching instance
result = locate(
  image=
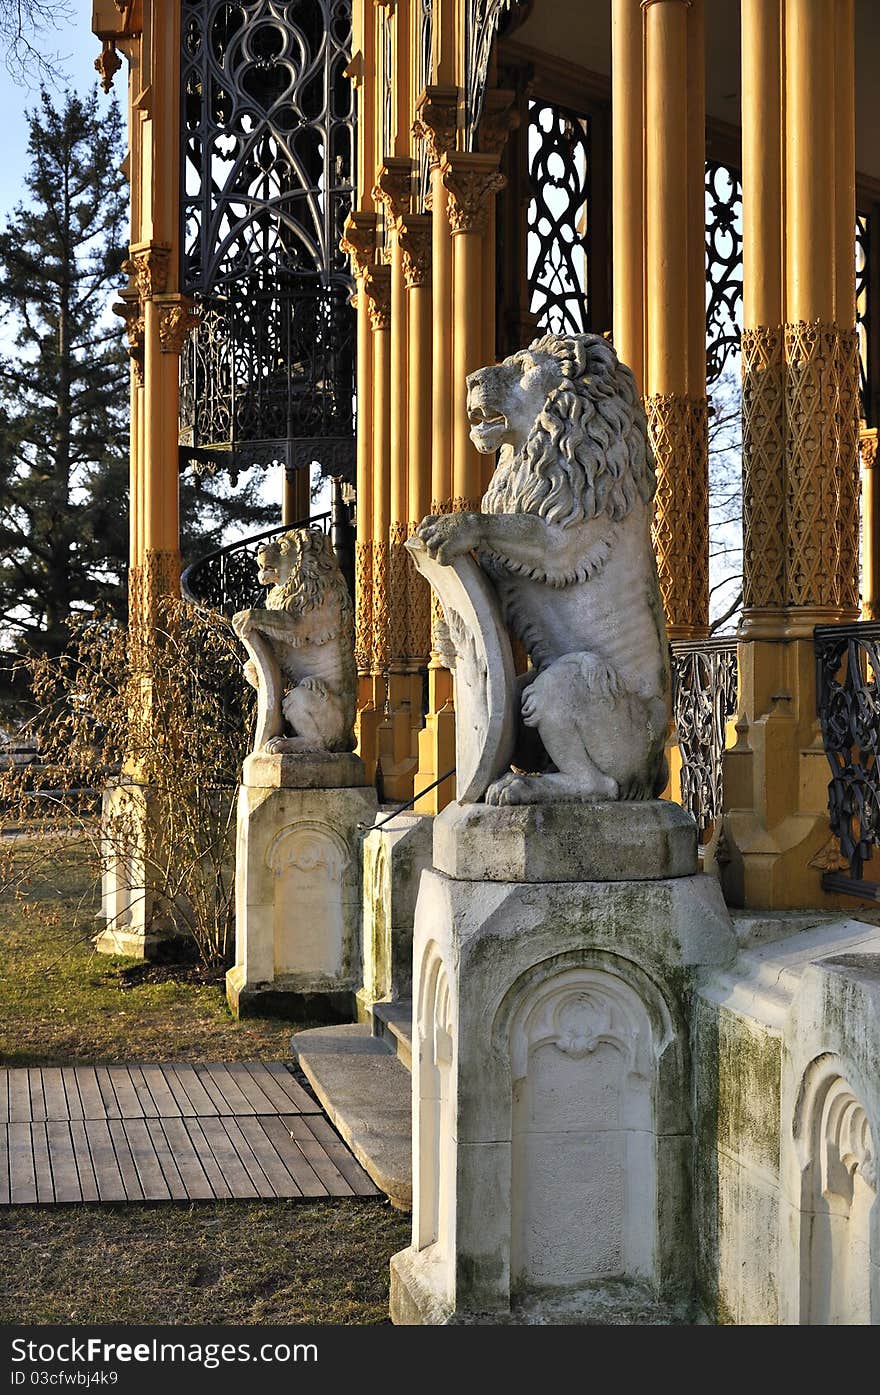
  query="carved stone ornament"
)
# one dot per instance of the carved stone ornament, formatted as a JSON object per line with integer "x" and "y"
{"x": 393, "y": 188}
{"x": 414, "y": 240}
{"x": 148, "y": 266}
{"x": 437, "y": 121}
{"x": 868, "y": 448}
{"x": 130, "y": 309}
{"x": 377, "y": 288}
{"x": 500, "y": 117}
{"x": 108, "y": 64}
{"x": 471, "y": 181}
{"x": 301, "y": 648}
{"x": 176, "y": 322}
{"x": 359, "y": 242}
{"x": 564, "y": 563}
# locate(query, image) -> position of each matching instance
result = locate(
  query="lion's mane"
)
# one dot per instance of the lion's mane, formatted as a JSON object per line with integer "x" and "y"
{"x": 587, "y": 453}
{"x": 314, "y": 576}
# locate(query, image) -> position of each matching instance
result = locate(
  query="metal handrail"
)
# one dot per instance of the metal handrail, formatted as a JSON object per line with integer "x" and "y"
{"x": 242, "y": 543}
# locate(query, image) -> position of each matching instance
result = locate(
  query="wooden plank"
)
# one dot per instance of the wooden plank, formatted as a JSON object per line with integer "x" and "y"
{"x": 90, "y": 1096}
{"x": 305, "y": 1176}
{"x": 65, "y": 1177}
{"x": 4, "y": 1096}
{"x": 207, "y": 1161}
{"x": 299, "y": 1098}
{"x": 195, "y": 1092}
{"x": 108, "y": 1176}
{"x": 71, "y": 1091}
{"x": 237, "y": 1178}
{"x": 35, "y": 1085}
{"x": 84, "y": 1165}
{"x": 165, "y": 1103}
{"x": 281, "y": 1101}
{"x": 250, "y": 1089}
{"x": 339, "y": 1154}
{"x": 235, "y": 1101}
{"x": 149, "y": 1108}
{"x": 125, "y": 1161}
{"x": 185, "y": 1108}
{"x": 248, "y": 1158}
{"x": 4, "y": 1164}
{"x": 165, "y": 1156}
{"x": 154, "y": 1183}
{"x": 42, "y": 1165}
{"x": 19, "y": 1097}
{"x": 126, "y": 1094}
{"x": 186, "y": 1158}
{"x": 316, "y": 1156}
{"x": 269, "y": 1159}
{"x": 22, "y": 1178}
{"x": 54, "y": 1093}
{"x": 108, "y": 1095}
{"x": 211, "y": 1089}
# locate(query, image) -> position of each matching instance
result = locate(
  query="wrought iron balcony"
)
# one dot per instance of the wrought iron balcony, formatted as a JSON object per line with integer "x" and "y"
{"x": 704, "y": 676}
{"x": 847, "y": 663}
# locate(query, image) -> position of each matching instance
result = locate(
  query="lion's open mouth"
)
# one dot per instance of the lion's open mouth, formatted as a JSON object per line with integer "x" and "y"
{"x": 479, "y": 416}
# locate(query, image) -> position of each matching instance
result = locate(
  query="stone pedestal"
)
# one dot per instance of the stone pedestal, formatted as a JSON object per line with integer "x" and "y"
{"x": 395, "y": 855}
{"x": 554, "y": 950}
{"x": 298, "y": 886}
{"x": 130, "y": 837}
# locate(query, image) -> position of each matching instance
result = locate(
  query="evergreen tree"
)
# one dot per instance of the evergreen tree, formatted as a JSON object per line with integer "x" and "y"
{"x": 63, "y": 378}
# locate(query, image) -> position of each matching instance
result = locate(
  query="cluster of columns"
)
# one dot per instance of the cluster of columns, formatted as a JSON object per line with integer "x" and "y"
{"x": 800, "y": 437}
{"x": 423, "y": 259}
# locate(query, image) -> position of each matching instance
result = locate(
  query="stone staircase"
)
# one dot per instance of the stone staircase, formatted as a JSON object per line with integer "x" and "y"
{"x": 360, "y": 1072}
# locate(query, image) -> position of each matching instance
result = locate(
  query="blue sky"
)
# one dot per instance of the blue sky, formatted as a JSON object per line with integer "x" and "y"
{"x": 79, "y": 48}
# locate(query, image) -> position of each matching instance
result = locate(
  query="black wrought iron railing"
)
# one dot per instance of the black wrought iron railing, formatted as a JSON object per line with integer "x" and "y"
{"x": 704, "y": 676}
{"x": 227, "y": 579}
{"x": 848, "y": 701}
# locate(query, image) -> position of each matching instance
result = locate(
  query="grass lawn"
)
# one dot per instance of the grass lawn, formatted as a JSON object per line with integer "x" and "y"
{"x": 211, "y": 1262}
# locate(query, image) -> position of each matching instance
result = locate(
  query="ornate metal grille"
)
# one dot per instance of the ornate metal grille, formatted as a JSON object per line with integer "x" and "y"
{"x": 862, "y": 311}
{"x": 704, "y": 677}
{"x": 848, "y": 662}
{"x": 482, "y": 19}
{"x": 558, "y": 219}
{"x": 267, "y": 129}
{"x": 724, "y": 266}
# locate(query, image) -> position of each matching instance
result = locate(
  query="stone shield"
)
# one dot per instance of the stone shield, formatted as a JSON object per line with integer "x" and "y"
{"x": 474, "y": 644}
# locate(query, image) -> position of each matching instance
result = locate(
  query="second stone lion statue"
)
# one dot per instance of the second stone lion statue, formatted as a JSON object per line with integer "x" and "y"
{"x": 301, "y": 646}
{"x": 564, "y": 534}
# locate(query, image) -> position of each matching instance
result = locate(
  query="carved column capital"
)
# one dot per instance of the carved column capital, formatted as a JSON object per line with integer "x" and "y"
{"x": 130, "y": 309}
{"x": 471, "y": 181}
{"x": 377, "y": 289}
{"x": 500, "y": 117}
{"x": 393, "y": 188}
{"x": 359, "y": 242}
{"x": 437, "y": 121}
{"x": 868, "y": 448}
{"x": 414, "y": 240}
{"x": 177, "y": 320}
{"x": 148, "y": 267}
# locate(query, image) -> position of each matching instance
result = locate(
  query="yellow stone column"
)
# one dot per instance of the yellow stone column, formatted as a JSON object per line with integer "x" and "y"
{"x": 414, "y": 236}
{"x": 799, "y": 490}
{"x": 627, "y": 181}
{"x": 674, "y": 299}
{"x": 471, "y": 182}
{"x": 436, "y": 126}
{"x": 359, "y": 242}
{"x": 397, "y": 742}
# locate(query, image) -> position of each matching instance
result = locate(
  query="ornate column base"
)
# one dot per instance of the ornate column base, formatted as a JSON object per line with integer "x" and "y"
{"x": 772, "y": 844}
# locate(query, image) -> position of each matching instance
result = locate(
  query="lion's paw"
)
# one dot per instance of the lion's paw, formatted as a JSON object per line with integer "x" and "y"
{"x": 513, "y": 789}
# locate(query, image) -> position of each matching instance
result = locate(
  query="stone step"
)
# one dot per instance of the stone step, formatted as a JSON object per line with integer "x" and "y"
{"x": 392, "y": 1022}
{"x": 366, "y": 1092}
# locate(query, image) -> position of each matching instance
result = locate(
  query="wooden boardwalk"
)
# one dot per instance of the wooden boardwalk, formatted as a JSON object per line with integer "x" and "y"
{"x": 167, "y": 1133}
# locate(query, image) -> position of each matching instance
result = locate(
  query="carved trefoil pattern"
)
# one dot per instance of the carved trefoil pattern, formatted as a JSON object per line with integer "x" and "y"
{"x": 836, "y": 1150}
{"x": 584, "y": 1181}
{"x": 763, "y": 435}
{"x": 812, "y": 504}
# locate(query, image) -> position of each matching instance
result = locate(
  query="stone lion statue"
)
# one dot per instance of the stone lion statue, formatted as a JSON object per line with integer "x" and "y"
{"x": 302, "y": 647}
{"x": 564, "y": 534}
